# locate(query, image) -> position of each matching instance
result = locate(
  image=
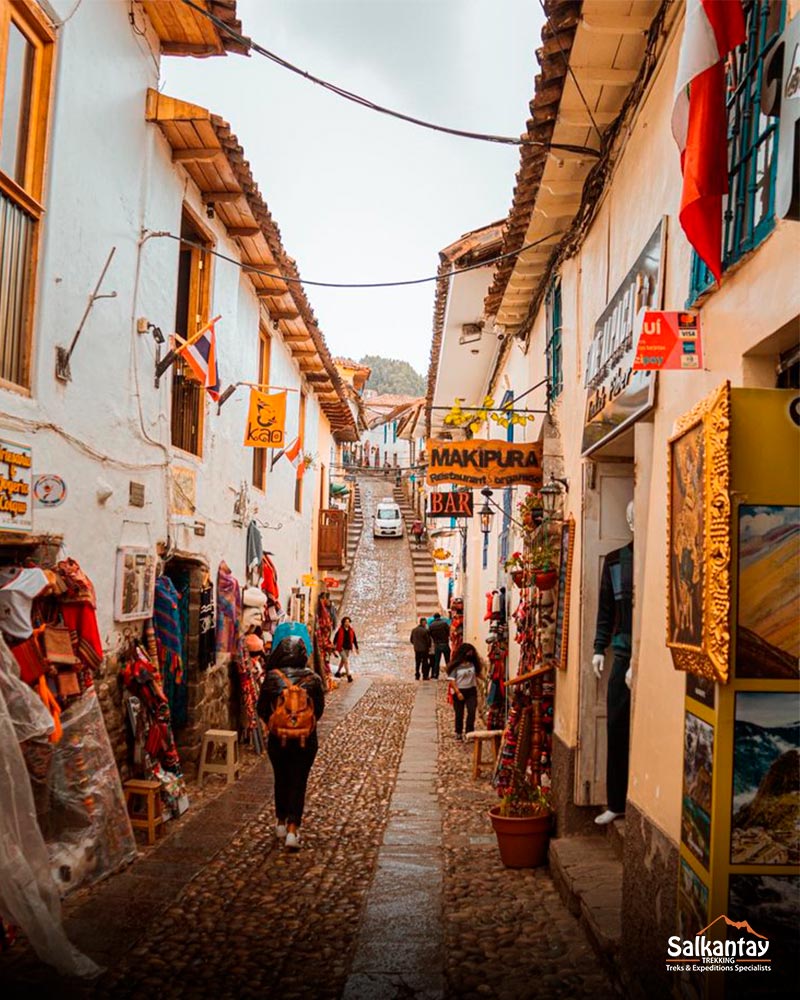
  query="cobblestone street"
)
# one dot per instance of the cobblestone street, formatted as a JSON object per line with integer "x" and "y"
{"x": 397, "y": 892}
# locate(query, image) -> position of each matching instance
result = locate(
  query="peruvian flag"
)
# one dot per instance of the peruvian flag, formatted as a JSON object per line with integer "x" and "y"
{"x": 712, "y": 29}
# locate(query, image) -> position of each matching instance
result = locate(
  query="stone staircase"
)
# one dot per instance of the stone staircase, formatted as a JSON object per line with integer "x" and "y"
{"x": 425, "y": 592}
{"x": 354, "y": 528}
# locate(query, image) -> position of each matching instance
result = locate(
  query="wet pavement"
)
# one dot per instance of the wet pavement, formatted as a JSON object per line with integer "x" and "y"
{"x": 397, "y": 892}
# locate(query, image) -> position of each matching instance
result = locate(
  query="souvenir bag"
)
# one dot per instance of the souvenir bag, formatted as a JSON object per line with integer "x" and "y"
{"x": 30, "y": 660}
{"x": 60, "y": 654}
{"x": 293, "y": 718}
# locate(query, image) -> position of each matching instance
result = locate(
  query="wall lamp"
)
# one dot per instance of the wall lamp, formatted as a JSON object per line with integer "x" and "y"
{"x": 486, "y": 513}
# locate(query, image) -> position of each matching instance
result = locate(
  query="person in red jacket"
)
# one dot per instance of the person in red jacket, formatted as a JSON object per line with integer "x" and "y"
{"x": 345, "y": 642}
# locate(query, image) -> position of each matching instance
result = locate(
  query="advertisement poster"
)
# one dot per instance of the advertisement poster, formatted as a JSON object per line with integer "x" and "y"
{"x": 769, "y": 904}
{"x": 692, "y": 902}
{"x": 698, "y": 754}
{"x": 669, "y": 341}
{"x": 16, "y": 474}
{"x": 134, "y": 584}
{"x": 767, "y": 634}
{"x": 765, "y": 822}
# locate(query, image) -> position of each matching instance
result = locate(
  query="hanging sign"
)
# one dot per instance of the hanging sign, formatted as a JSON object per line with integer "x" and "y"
{"x": 458, "y": 503}
{"x": 484, "y": 463}
{"x": 669, "y": 340}
{"x": 616, "y": 393}
{"x": 266, "y": 420}
{"x": 49, "y": 491}
{"x": 16, "y": 465}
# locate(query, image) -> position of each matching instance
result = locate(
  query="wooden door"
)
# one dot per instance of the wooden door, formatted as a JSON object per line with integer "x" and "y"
{"x": 332, "y": 539}
{"x": 604, "y": 529}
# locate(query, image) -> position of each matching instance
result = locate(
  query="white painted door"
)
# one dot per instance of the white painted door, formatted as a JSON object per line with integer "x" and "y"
{"x": 604, "y": 529}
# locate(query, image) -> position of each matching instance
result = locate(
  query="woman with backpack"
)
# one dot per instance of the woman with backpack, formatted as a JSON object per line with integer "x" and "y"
{"x": 463, "y": 672}
{"x": 292, "y": 699}
{"x": 345, "y": 643}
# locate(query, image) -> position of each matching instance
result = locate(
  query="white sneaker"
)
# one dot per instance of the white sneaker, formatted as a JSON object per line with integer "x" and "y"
{"x": 606, "y": 817}
{"x": 292, "y": 841}
{"x": 280, "y": 831}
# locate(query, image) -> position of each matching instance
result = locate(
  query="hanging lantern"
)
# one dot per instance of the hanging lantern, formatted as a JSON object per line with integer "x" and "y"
{"x": 486, "y": 514}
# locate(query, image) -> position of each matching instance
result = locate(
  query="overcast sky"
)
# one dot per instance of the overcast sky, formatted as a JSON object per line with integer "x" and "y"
{"x": 362, "y": 197}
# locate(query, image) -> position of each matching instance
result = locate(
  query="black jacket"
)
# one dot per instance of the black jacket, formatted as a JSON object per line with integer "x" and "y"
{"x": 615, "y": 604}
{"x": 290, "y": 659}
{"x": 421, "y": 639}
{"x": 439, "y": 631}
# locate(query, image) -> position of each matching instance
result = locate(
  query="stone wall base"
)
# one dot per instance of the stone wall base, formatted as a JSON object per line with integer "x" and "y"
{"x": 571, "y": 820}
{"x": 649, "y": 907}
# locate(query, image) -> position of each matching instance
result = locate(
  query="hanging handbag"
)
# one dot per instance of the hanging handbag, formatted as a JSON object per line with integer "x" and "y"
{"x": 58, "y": 649}
{"x": 28, "y": 655}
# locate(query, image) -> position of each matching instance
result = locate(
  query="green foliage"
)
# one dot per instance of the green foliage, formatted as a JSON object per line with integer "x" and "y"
{"x": 393, "y": 376}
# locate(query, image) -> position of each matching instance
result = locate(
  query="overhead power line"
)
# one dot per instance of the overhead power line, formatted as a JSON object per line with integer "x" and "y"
{"x": 365, "y": 102}
{"x": 252, "y": 269}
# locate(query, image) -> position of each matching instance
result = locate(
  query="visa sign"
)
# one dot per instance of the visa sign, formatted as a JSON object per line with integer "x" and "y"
{"x": 668, "y": 341}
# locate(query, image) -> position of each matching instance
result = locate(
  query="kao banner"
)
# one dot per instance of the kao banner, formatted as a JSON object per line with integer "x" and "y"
{"x": 484, "y": 463}
{"x": 669, "y": 340}
{"x": 266, "y": 420}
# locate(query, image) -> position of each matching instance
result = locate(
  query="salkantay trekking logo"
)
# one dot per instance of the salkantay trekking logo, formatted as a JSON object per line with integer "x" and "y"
{"x": 703, "y": 954}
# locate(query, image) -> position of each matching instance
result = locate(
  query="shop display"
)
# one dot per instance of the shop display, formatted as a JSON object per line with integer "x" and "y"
{"x": 324, "y": 624}
{"x": 561, "y": 638}
{"x": 698, "y": 758}
{"x": 229, "y": 606}
{"x": 456, "y": 623}
{"x": 207, "y": 642}
{"x": 169, "y": 631}
{"x": 134, "y": 584}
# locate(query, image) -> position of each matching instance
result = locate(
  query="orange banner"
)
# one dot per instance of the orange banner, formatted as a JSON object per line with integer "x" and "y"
{"x": 484, "y": 463}
{"x": 266, "y": 420}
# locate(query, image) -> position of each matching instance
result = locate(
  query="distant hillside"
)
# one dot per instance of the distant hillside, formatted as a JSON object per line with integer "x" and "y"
{"x": 393, "y": 376}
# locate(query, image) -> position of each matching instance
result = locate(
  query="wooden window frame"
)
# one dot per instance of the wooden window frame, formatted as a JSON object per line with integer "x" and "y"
{"x": 554, "y": 313}
{"x": 260, "y": 464}
{"x": 32, "y": 23}
{"x": 200, "y": 291}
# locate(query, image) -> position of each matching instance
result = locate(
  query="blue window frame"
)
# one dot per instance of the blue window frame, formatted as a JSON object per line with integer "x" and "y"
{"x": 505, "y": 530}
{"x": 749, "y": 208}
{"x": 555, "y": 375}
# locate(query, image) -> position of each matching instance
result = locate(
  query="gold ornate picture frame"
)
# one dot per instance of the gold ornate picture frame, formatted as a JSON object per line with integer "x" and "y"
{"x": 562, "y": 603}
{"x": 699, "y": 539}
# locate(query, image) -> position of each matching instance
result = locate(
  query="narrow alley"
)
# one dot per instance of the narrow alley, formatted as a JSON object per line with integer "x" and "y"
{"x": 398, "y": 891}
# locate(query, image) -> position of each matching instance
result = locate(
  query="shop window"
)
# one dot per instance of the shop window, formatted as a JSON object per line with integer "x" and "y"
{"x": 262, "y": 376}
{"x": 555, "y": 377}
{"x": 749, "y": 207}
{"x": 26, "y": 58}
{"x": 191, "y": 312}
{"x": 301, "y": 431}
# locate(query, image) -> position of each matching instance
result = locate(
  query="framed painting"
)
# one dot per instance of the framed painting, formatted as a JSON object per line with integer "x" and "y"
{"x": 134, "y": 585}
{"x": 699, "y": 539}
{"x": 562, "y": 601}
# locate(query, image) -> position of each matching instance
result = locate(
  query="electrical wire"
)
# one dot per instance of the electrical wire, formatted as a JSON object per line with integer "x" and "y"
{"x": 72, "y": 13}
{"x": 365, "y": 102}
{"x": 252, "y": 269}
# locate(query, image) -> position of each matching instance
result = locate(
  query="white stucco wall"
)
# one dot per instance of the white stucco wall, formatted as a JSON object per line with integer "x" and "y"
{"x": 110, "y": 175}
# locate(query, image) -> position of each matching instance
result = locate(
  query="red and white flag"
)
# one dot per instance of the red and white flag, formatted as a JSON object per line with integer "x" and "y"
{"x": 200, "y": 354}
{"x": 711, "y": 30}
{"x": 293, "y": 453}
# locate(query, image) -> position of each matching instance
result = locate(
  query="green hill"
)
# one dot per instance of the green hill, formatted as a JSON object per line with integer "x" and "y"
{"x": 394, "y": 376}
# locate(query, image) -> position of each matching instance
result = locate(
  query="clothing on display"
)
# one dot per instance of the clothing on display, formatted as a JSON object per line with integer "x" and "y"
{"x": 207, "y": 641}
{"x": 229, "y": 607}
{"x": 18, "y": 589}
{"x": 255, "y": 551}
{"x": 169, "y": 637}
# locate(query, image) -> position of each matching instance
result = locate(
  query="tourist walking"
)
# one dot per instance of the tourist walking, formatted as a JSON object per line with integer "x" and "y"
{"x": 417, "y": 531}
{"x": 463, "y": 672}
{"x": 292, "y": 699}
{"x": 345, "y": 643}
{"x": 421, "y": 641}
{"x": 439, "y": 629}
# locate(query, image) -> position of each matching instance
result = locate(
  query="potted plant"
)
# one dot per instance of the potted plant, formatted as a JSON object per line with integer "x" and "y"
{"x": 531, "y": 511}
{"x": 522, "y": 823}
{"x": 543, "y": 558}
{"x": 515, "y": 565}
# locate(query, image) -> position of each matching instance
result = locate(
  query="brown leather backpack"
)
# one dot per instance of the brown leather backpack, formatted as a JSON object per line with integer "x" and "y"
{"x": 293, "y": 718}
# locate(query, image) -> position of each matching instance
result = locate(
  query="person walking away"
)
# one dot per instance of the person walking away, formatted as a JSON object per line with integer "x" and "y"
{"x": 439, "y": 629}
{"x": 463, "y": 672}
{"x": 292, "y": 699}
{"x": 345, "y": 642}
{"x": 421, "y": 641}
{"x": 386, "y": 467}
{"x": 417, "y": 531}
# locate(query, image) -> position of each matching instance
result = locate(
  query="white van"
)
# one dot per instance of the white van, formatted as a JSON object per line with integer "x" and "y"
{"x": 388, "y": 521}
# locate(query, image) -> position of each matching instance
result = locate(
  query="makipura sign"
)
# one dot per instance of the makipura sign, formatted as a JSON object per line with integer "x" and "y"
{"x": 484, "y": 463}
{"x": 616, "y": 394}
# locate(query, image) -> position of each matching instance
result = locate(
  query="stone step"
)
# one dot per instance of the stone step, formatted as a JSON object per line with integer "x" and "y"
{"x": 615, "y": 832}
{"x": 588, "y": 874}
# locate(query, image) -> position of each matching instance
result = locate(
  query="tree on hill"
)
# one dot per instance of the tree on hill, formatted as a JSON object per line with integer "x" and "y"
{"x": 393, "y": 376}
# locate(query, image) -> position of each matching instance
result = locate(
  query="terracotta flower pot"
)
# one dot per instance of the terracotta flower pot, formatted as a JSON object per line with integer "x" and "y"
{"x": 520, "y": 578}
{"x": 546, "y": 579}
{"x": 522, "y": 840}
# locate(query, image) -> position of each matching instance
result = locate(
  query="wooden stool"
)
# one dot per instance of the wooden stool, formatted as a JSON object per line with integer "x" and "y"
{"x": 150, "y": 818}
{"x": 479, "y": 737}
{"x": 213, "y": 739}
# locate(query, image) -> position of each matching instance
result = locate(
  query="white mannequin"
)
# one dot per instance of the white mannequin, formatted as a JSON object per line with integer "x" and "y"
{"x": 598, "y": 662}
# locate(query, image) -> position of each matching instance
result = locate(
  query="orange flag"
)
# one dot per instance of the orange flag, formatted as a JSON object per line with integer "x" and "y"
{"x": 266, "y": 420}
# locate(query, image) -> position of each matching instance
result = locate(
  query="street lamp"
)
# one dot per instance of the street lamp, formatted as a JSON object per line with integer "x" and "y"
{"x": 552, "y": 495}
{"x": 486, "y": 513}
